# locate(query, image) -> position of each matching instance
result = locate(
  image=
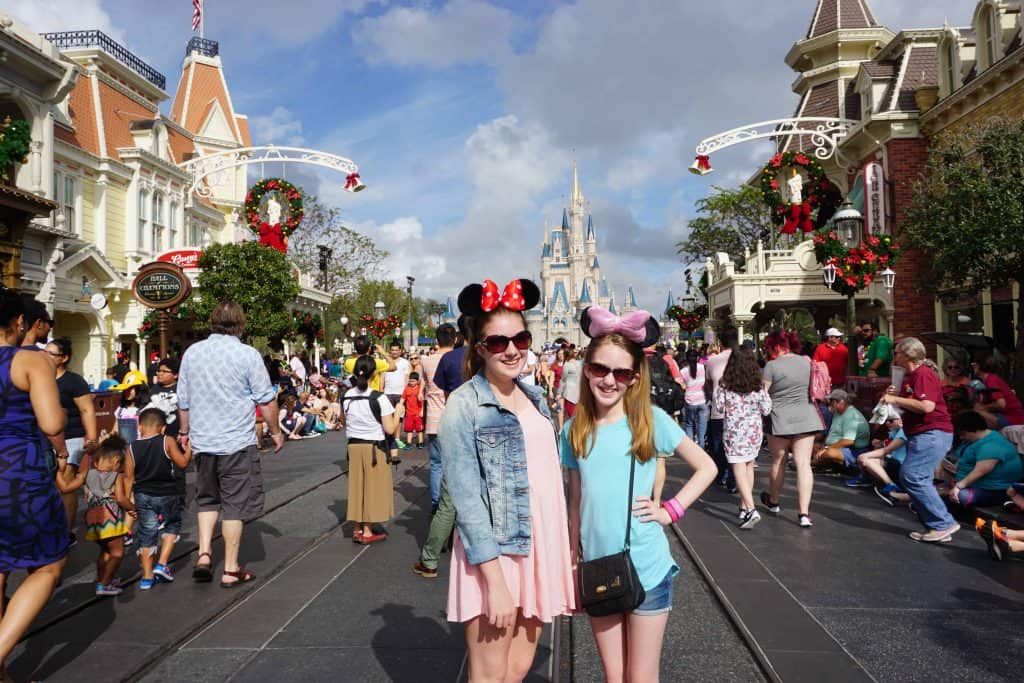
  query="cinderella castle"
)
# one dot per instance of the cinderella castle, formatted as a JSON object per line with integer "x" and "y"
{"x": 570, "y": 275}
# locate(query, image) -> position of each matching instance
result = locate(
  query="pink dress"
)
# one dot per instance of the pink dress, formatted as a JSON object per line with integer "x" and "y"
{"x": 540, "y": 583}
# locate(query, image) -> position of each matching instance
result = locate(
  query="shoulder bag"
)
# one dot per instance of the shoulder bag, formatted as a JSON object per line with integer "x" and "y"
{"x": 609, "y": 584}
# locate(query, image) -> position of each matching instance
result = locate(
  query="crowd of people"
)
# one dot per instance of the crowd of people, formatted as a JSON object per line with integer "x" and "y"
{"x": 502, "y": 420}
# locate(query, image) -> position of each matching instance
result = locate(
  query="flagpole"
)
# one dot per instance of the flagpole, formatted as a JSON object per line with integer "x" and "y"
{"x": 202, "y": 21}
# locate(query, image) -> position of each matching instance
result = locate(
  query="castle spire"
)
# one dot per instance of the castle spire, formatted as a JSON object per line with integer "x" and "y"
{"x": 576, "y": 200}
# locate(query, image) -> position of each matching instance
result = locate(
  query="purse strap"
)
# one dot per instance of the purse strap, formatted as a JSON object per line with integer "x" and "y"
{"x": 629, "y": 500}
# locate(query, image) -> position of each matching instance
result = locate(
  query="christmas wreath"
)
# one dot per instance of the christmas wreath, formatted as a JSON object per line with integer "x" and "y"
{"x": 383, "y": 327}
{"x": 273, "y": 235}
{"x": 818, "y": 193}
{"x": 15, "y": 139}
{"x": 689, "y": 321}
{"x": 310, "y": 325}
{"x": 151, "y": 321}
{"x": 856, "y": 268}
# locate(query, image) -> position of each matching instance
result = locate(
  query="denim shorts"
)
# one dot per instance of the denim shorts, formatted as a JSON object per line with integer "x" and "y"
{"x": 76, "y": 449}
{"x": 657, "y": 600}
{"x": 150, "y": 509}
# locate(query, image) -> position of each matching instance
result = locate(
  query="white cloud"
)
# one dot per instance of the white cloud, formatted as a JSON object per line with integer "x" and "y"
{"x": 281, "y": 127}
{"x": 43, "y": 16}
{"x": 461, "y": 31}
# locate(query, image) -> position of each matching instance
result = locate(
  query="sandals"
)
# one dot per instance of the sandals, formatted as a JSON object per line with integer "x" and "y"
{"x": 203, "y": 573}
{"x": 242, "y": 574}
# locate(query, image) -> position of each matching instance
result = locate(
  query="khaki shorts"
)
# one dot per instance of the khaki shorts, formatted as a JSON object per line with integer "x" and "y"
{"x": 231, "y": 484}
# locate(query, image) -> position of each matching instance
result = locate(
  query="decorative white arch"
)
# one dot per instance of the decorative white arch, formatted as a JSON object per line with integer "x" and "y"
{"x": 824, "y": 132}
{"x": 207, "y": 165}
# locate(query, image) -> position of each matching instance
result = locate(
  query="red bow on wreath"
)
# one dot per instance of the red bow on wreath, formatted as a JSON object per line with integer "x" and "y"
{"x": 799, "y": 215}
{"x": 511, "y": 297}
{"x": 271, "y": 236}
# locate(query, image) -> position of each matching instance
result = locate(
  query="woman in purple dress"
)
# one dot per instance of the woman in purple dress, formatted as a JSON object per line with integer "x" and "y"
{"x": 33, "y": 527}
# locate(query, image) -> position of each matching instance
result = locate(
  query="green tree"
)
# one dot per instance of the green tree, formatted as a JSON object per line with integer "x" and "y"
{"x": 967, "y": 214}
{"x": 729, "y": 221}
{"x": 257, "y": 277}
{"x": 354, "y": 256}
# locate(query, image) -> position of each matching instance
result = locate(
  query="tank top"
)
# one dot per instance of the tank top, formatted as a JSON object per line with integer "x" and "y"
{"x": 154, "y": 470}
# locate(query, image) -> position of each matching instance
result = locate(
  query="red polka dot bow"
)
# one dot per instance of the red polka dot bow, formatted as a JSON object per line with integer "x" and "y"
{"x": 511, "y": 297}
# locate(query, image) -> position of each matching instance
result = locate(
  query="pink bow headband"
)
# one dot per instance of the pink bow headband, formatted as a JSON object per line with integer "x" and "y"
{"x": 637, "y": 326}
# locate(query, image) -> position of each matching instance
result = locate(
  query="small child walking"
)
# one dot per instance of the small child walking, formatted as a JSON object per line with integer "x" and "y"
{"x": 153, "y": 468}
{"x": 412, "y": 397}
{"x": 740, "y": 397}
{"x": 106, "y": 501}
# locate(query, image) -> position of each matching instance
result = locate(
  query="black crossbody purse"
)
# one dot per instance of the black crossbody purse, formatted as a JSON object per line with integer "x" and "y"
{"x": 609, "y": 584}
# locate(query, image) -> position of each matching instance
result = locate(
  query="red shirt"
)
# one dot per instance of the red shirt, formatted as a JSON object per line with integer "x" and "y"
{"x": 924, "y": 385}
{"x": 411, "y": 396}
{"x": 836, "y": 359}
{"x": 1013, "y": 411}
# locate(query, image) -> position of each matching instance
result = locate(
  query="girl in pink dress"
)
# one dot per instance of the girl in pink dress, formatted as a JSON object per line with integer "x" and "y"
{"x": 511, "y": 570}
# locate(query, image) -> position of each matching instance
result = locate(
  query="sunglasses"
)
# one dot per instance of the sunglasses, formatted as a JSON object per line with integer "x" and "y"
{"x": 952, "y": 367}
{"x": 497, "y": 343}
{"x": 622, "y": 375}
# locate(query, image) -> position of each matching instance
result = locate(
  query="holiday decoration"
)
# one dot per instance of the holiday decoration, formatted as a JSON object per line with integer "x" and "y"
{"x": 151, "y": 321}
{"x": 701, "y": 165}
{"x": 267, "y": 223}
{"x": 381, "y": 327}
{"x": 689, "y": 320}
{"x": 353, "y": 183}
{"x": 817, "y": 193}
{"x": 859, "y": 266}
{"x": 310, "y": 325}
{"x": 15, "y": 139}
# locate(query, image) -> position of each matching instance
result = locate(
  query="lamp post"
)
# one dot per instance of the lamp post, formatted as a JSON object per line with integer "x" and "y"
{"x": 325, "y": 254}
{"x": 378, "y": 310}
{"x": 410, "y": 279}
{"x": 849, "y": 225}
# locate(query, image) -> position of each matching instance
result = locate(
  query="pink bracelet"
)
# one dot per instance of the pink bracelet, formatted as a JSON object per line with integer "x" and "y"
{"x": 675, "y": 510}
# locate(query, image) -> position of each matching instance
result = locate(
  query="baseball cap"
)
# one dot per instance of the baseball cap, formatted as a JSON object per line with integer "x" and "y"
{"x": 833, "y": 332}
{"x": 838, "y": 395}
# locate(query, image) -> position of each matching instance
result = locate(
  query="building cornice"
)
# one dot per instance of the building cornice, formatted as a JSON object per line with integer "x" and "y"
{"x": 150, "y": 159}
{"x": 1004, "y": 74}
{"x": 880, "y": 35}
{"x": 117, "y": 70}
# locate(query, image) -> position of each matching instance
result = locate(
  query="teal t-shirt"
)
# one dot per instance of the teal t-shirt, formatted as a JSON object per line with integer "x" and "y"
{"x": 899, "y": 454}
{"x": 849, "y": 425}
{"x": 604, "y": 479}
{"x": 992, "y": 446}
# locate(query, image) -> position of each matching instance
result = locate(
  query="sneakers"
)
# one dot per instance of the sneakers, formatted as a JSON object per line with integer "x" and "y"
{"x": 401, "y": 445}
{"x": 1001, "y": 544}
{"x": 110, "y": 590}
{"x": 805, "y": 521}
{"x": 935, "y": 535}
{"x": 163, "y": 573}
{"x": 750, "y": 519}
{"x": 886, "y": 493}
{"x": 145, "y": 584}
{"x": 769, "y": 504}
{"x": 424, "y": 571}
{"x": 72, "y": 540}
{"x": 858, "y": 483}
{"x": 128, "y": 540}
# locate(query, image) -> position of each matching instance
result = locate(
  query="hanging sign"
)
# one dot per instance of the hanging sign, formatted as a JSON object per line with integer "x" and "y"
{"x": 161, "y": 285}
{"x": 188, "y": 259}
{"x": 874, "y": 199}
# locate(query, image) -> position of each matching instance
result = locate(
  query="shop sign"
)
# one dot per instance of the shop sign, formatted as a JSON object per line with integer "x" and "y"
{"x": 161, "y": 285}
{"x": 874, "y": 199}
{"x": 187, "y": 259}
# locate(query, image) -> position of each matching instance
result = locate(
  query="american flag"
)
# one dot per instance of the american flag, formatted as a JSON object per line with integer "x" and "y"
{"x": 197, "y": 14}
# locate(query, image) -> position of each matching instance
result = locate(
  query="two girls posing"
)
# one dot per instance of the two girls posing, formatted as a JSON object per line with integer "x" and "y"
{"x": 516, "y": 549}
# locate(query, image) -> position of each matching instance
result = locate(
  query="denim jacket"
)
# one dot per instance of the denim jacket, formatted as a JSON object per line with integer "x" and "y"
{"x": 483, "y": 456}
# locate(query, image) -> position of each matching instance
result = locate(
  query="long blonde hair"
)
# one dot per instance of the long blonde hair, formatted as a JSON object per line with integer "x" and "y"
{"x": 636, "y": 403}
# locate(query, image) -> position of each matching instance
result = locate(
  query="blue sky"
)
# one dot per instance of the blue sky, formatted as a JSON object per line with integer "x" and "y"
{"x": 465, "y": 116}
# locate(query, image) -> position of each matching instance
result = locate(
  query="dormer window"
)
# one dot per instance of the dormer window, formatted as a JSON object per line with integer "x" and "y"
{"x": 989, "y": 33}
{"x": 950, "y": 58}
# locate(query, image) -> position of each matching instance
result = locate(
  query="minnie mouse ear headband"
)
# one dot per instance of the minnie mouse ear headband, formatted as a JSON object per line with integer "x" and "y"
{"x": 638, "y": 326}
{"x": 518, "y": 295}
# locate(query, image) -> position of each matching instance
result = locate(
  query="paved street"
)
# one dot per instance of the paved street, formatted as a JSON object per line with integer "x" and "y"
{"x": 850, "y": 600}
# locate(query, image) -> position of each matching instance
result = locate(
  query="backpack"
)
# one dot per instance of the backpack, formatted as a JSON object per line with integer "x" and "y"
{"x": 665, "y": 391}
{"x": 821, "y": 381}
{"x": 374, "y": 398}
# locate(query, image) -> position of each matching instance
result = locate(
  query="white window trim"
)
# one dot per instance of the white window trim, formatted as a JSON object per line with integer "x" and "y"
{"x": 61, "y": 178}
{"x": 143, "y": 225}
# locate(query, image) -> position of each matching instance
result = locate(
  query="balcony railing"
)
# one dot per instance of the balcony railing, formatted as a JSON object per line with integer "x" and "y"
{"x": 203, "y": 46}
{"x": 70, "y": 39}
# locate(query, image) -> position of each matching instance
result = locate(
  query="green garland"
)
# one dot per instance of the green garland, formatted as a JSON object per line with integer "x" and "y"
{"x": 15, "y": 140}
{"x": 819, "y": 192}
{"x": 151, "y": 321}
{"x": 689, "y": 321}
{"x": 856, "y": 268}
{"x": 254, "y": 196}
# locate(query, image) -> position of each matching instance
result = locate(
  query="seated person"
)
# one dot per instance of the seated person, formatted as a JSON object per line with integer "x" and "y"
{"x": 998, "y": 403}
{"x": 882, "y": 463}
{"x": 294, "y": 423}
{"x": 847, "y": 437}
{"x": 987, "y": 464}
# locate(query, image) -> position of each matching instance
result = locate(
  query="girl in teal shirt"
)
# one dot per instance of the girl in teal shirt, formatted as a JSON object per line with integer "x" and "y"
{"x": 615, "y": 423}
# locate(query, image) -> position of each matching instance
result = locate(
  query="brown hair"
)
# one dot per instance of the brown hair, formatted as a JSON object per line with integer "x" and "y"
{"x": 475, "y": 325}
{"x": 227, "y": 318}
{"x": 742, "y": 375}
{"x": 637, "y": 404}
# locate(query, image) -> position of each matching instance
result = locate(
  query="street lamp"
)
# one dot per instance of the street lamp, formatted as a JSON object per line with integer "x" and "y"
{"x": 378, "y": 310}
{"x": 848, "y": 222}
{"x": 325, "y": 254}
{"x": 888, "y": 278}
{"x": 410, "y": 279}
{"x": 829, "y": 271}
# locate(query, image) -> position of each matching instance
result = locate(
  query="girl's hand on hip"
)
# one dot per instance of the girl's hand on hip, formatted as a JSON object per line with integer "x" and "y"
{"x": 647, "y": 511}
